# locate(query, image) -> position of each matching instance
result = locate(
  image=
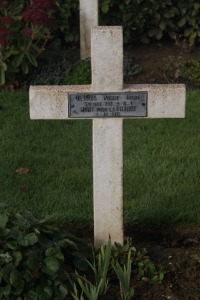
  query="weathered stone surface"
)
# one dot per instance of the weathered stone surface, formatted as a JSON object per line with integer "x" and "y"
{"x": 88, "y": 19}
{"x": 163, "y": 101}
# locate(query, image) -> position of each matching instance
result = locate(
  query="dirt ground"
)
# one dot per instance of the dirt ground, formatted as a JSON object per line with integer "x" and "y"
{"x": 179, "y": 253}
{"x": 160, "y": 62}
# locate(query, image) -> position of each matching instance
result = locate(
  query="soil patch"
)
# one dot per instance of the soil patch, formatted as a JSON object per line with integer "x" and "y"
{"x": 178, "y": 251}
{"x": 161, "y": 62}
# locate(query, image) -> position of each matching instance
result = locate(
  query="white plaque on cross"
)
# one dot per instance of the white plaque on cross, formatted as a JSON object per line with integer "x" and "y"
{"x": 107, "y": 101}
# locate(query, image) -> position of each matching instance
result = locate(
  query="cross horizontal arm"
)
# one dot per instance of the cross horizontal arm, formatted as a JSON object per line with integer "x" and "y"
{"x": 163, "y": 100}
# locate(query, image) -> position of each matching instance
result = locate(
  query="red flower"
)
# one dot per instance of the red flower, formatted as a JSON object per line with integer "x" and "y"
{"x": 1, "y": 5}
{"x": 44, "y": 4}
{"x": 28, "y": 32}
{"x": 37, "y": 17}
{"x": 5, "y": 35}
{"x": 7, "y": 20}
{"x": 27, "y": 14}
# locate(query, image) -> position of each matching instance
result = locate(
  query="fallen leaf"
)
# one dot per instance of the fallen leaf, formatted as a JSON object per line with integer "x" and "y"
{"x": 22, "y": 170}
{"x": 24, "y": 187}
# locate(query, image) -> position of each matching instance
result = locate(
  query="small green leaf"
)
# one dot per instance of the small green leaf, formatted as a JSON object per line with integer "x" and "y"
{"x": 152, "y": 32}
{"x": 105, "y": 8}
{"x": 52, "y": 264}
{"x": 18, "y": 60}
{"x": 18, "y": 257}
{"x": 32, "y": 59}
{"x": 32, "y": 295}
{"x": 162, "y": 25}
{"x": 187, "y": 32}
{"x": 15, "y": 279}
{"x": 5, "y": 291}
{"x": 29, "y": 239}
{"x": 37, "y": 49}
{"x": 3, "y": 220}
{"x": 4, "y": 66}
{"x": 182, "y": 22}
{"x": 34, "y": 260}
{"x": 6, "y": 270}
{"x": 5, "y": 258}
{"x": 11, "y": 245}
{"x": 62, "y": 292}
{"x": 159, "y": 34}
{"x": 25, "y": 67}
{"x": 2, "y": 76}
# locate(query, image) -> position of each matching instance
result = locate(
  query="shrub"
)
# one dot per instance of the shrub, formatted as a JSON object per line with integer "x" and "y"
{"x": 190, "y": 71}
{"x": 24, "y": 32}
{"x": 81, "y": 72}
{"x": 35, "y": 258}
{"x": 41, "y": 261}
{"x": 148, "y": 20}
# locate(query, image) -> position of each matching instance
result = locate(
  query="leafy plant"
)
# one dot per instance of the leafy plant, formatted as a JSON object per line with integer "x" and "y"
{"x": 190, "y": 71}
{"x": 142, "y": 266}
{"x": 49, "y": 71}
{"x": 99, "y": 269}
{"x": 131, "y": 69}
{"x": 68, "y": 21}
{"x": 25, "y": 28}
{"x": 124, "y": 276}
{"x": 80, "y": 74}
{"x": 152, "y": 20}
{"x": 32, "y": 256}
{"x": 150, "y": 272}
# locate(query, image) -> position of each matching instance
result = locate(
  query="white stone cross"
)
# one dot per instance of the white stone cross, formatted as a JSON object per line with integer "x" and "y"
{"x": 53, "y": 102}
{"x": 88, "y": 19}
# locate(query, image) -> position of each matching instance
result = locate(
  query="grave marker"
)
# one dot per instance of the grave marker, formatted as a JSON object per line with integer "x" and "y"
{"x": 107, "y": 101}
{"x": 88, "y": 19}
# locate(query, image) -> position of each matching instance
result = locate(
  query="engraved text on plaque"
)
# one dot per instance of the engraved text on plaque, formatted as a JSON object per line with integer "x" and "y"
{"x": 100, "y": 105}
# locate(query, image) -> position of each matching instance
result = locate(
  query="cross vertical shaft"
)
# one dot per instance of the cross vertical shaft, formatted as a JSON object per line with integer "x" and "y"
{"x": 88, "y": 19}
{"x": 107, "y": 76}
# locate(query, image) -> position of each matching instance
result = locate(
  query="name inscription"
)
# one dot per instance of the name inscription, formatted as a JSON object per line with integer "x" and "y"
{"x": 102, "y": 105}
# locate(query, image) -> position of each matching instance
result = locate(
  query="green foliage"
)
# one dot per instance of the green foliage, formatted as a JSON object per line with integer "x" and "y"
{"x": 131, "y": 69}
{"x": 142, "y": 20}
{"x": 25, "y": 28}
{"x": 190, "y": 71}
{"x": 50, "y": 71}
{"x": 126, "y": 262}
{"x": 81, "y": 72}
{"x": 32, "y": 258}
{"x": 68, "y": 20}
{"x": 141, "y": 264}
{"x": 150, "y": 272}
{"x": 124, "y": 276}
{"x": 99, "y": 269}
{"x": 40, "y": 261}
{"x": 145, "y": 20}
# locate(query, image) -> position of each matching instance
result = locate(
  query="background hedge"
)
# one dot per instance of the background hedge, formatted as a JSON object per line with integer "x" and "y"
{"x": 143, "y": 20}
{"x": 25, "y": 35}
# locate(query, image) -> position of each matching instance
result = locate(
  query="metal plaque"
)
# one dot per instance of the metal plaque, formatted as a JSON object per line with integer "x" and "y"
{"x": 107, "y": 105}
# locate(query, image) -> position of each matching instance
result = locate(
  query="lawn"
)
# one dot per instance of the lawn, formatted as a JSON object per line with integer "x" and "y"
{"x": 161, "y": 166}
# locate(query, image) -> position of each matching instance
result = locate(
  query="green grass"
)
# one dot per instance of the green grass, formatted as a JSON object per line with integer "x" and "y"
{"x": 161, "y": 166}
